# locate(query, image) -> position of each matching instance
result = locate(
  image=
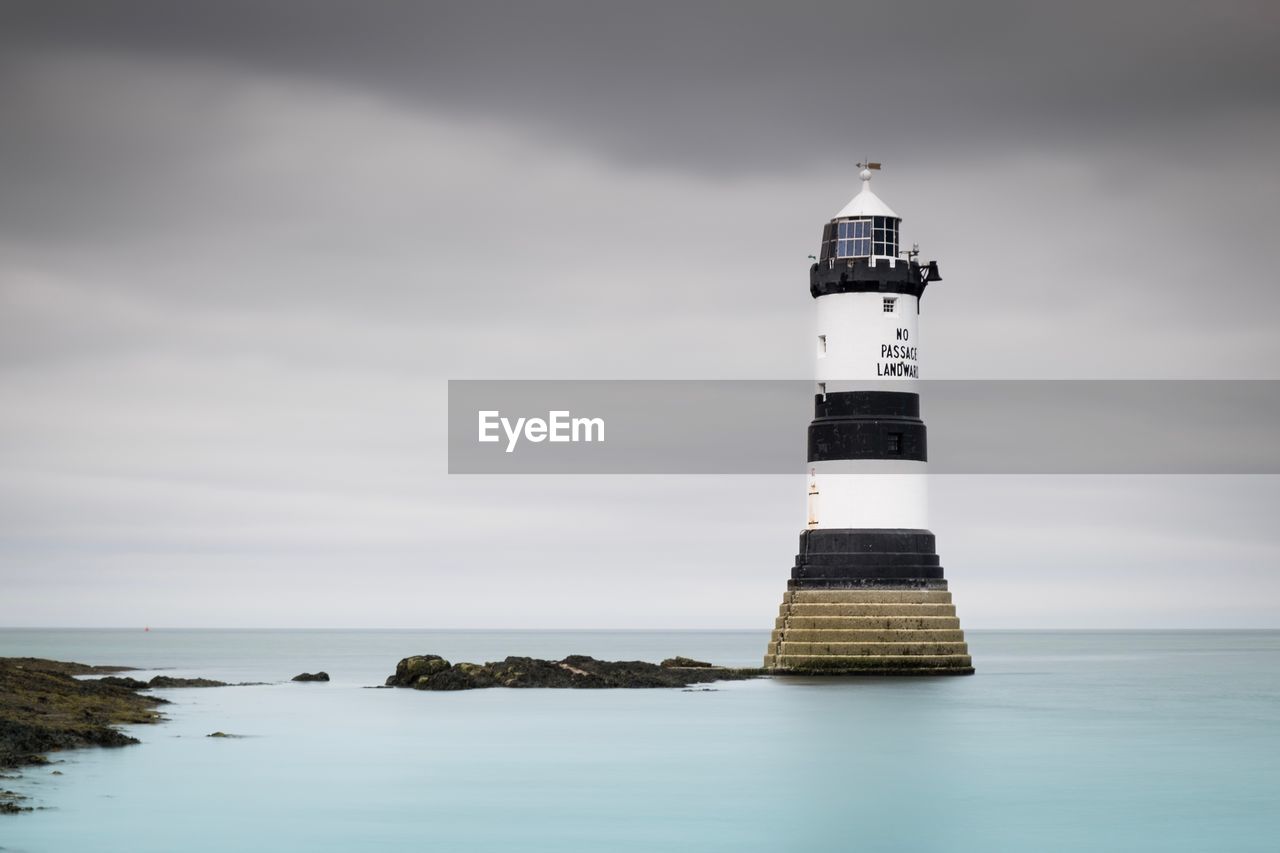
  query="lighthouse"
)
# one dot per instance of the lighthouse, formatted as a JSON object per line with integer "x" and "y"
{"x": 867, "y": 593}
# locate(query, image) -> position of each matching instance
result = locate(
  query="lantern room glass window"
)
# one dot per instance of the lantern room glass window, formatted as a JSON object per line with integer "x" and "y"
{"x": 885, "y": 243}
{"x": 853, "y": 238}
{"x": 860, "y": 238}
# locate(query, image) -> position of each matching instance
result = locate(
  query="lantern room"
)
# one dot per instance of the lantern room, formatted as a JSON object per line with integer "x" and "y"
{"x": 865, "y": 228}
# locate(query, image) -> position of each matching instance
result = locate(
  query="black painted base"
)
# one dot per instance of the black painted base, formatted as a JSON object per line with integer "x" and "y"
{"x": 867, "y": 559}
{"x": 867, "y": 583}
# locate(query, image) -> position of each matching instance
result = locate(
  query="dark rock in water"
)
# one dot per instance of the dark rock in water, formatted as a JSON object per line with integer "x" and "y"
{"x": 125, "y": 682}
{"x": 159, "y": 681}
{"x": 683, "y": 663}
{"x": 311, "y": 676}
{"x": 410, "y": 669}
{"x": 169, "y": 681}
{"x": 432, "y": 672}
{"x": 9, "y": 801}
{"x": 223, "y": 734}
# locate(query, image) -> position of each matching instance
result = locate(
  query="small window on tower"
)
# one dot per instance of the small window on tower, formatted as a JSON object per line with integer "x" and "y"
{"x": 894, "y": 444}
{"x": 822, "y": 345}
{"x": 890, "y": 304}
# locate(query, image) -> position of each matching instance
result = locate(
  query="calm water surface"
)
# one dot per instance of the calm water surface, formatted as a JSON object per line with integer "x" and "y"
{"x": 1063, "y": 741}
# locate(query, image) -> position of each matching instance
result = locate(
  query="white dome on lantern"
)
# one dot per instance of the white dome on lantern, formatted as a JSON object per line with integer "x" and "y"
{"x": 866, "y": 203}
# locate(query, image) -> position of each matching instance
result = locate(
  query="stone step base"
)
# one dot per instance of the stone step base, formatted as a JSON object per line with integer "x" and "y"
{"x": 882, "y": 631}
{"x": 866, "y": 623}
{"x": 880, "y": 609}
{"x": 788, "y": 648}
{"x": 888, "y": 635}
{"x": 868, "y": 671}
{"x": 854, "y": 663}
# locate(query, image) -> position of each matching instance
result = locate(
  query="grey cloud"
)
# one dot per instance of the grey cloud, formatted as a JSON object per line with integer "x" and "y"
{"x": 242, "y": 247}
{"x": 729, "y": 83}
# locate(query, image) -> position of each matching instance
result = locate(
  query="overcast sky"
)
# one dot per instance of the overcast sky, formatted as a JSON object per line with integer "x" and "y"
{"x": 244, "y": 245}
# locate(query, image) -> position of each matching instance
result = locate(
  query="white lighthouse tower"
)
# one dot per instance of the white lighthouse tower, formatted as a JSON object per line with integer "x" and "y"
{"x": 867, "y": 593}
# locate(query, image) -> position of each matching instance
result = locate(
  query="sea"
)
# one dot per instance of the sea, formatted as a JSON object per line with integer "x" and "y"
{"x": 1062, "y": 741}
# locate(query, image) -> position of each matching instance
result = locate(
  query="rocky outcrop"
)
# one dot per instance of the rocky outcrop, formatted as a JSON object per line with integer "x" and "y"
{"x": 311, "y": 676}
{"x": 44, "y": 709}
{"x": 432, "y": 672}
{"x": 66, "y": 667}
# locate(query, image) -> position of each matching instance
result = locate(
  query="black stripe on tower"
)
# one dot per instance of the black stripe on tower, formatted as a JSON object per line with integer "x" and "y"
{"x": 856, "y": 275}
{"x": 867, "y": 559}
{"x": 867, "y": 425}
